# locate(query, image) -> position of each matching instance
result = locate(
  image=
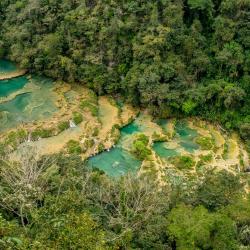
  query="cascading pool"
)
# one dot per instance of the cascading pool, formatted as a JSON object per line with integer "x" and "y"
{"x": 162, "y": 149}
{"x": 24, "y": 99}
{"x": 184, "y": 140}
{"x": 186, "y": 136}
{"x": 118, "y": 160}
{"x": 8, "y": 87}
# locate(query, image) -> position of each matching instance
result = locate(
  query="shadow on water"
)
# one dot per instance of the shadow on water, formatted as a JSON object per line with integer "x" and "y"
{"x": 6, "y": 66}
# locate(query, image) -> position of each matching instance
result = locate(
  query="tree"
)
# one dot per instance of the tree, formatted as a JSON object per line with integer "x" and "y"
{"x": 195, "y": 228}
{"x": 25, "y": 183}
{"x": 67, "y": 228}
{"x": 218, "y": 189}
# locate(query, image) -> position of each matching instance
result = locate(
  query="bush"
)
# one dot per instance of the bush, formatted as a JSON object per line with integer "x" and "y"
{"x": 42, "y": 133}
{"x": 218, "y": 189}
{"x": 63, "y": 126}
{"x": 206, "y": 158}
{"x": 90, "y": 107}
{"x": 205, "y": 143}
{"x": 140, "y": 147}
{"x": 101, "y": 147}
{"x": 16, "y": 137}
{"x": 183, "y": 162}
{"x": 74, "y": 147}
{"x": 77, "y": 118}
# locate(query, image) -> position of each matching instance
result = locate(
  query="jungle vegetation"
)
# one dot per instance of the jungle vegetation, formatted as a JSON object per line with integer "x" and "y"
{"x": 176, "y": 57}
{"x": 59, "y": 203}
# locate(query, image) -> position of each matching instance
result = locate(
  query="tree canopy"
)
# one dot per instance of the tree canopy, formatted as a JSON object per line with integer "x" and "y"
{"x": 190, "y": 57}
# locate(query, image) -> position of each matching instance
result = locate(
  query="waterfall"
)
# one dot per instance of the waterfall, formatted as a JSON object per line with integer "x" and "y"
{"x": 29, "y": 137}
{"x": 72, "y": 124}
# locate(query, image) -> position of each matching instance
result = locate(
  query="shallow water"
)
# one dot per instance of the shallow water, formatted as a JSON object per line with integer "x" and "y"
{"x": 186, "y": 136}
{"x": 118, "y": 161}
{"x": 8, "y": 87}
{"x": 163, "y": 124}
{"x": 184, "y": 139}
{"x": 26, "y": 107}
{"x": 130, "y": 129}
{"x": 6, "y": 66}
{"x": 161, "y": 149}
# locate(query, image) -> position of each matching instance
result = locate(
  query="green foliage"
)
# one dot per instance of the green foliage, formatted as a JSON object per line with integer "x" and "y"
{"x": 183, "y": 162}
{"x": 73, "y": 147}
{"x": 206, "y": 143}
{"x": 8, "y": 230}
{"x": 206, "y": 158}
{"x": 175, "y": 57}
{"x": 101, "y": 147}
{"x": 183, "y": 57}
{"x": 188, "y": 106}
{"x": 218, "y": 189}
{"x": 14, "y": 138}
{"x": 41, "y": 133}
{"x": 90, "y": 107}
{"x": 77, "y": 118}
{"x": 160, "y": 138}
{"x": 73, "y": 229}
{"x": 66, "y": 206}
{"x": 63, "y": 125}
{"x": 140, "y": 147}
{"x": 198, "y": 229}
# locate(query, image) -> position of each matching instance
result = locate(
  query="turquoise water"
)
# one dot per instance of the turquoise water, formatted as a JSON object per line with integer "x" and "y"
{"x": 186, "y": 136}
{"x": 184, "y": 131}
{"x": 130, "y": 129}
{"x": 118, "y": 161}
{"x": 8, "y": 87}
{"x": 162, "y": 123}
{"x": 27, "y": 107}
{"x": 16, "y": 105}
{"x": 161, "y": 149}
{"x": 189, "y": 146}
{"x": 6, "y": 66}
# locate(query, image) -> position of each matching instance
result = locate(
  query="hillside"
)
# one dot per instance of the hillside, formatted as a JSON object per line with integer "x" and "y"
{"x": 125, "y": 124}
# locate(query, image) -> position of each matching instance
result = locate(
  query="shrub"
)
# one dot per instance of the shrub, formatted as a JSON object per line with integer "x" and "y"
{"x": 85, "y": 104}
{"x": 183, "y": 162}
{"x": 63, "y": 125}
{"x": 16, "y": 137}
{"x": 77, "y": 117}
{"x": 160, "y": 138}
{"x": 74, "y": 147}
{"x": 206, "y": 158}
{"x": 95, "y": 132}
{"x": 140, "y": 147}
{"x": 42, "y": 133}
{"x": 101, "y": 147}
{"x": 205, "y": 143}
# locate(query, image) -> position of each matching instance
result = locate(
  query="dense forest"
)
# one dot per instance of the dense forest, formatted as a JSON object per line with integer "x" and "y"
{"x": 57, "y": 203}
{"x": 175, "y": 57}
